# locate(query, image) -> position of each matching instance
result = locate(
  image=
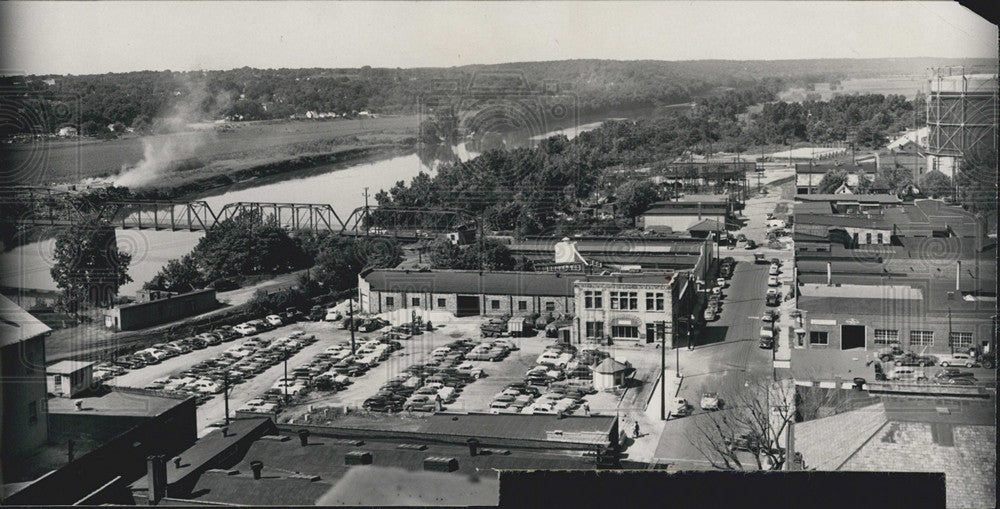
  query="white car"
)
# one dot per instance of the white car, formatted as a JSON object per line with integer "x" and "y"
{"x": 207, "y": 387}
{"x": 274, "y": 320}
{"x": 773, "y": 271}
{"x": 773, "y": 281}
{"x": 245, "y": 329}
{"x": 680, "y": 408}
{"x": 957, "y": 359}
{"x": 332, "y": 315}
{"x": 710, "y": 401}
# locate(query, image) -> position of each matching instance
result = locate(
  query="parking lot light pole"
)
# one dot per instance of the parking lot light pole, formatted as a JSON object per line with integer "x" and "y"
{"x": 350, "y": 325}
{"x": 225, "y": 392}
{"x": 284, "y": 382}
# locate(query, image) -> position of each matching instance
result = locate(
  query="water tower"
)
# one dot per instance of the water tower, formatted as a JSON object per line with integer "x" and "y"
{"x": 961, "y": 116}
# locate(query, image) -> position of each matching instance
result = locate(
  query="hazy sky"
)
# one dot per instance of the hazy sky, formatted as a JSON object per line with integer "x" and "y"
{"x": 96, "y": 37}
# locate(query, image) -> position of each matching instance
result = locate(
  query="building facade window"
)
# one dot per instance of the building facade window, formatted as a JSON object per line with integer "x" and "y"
{"x": 819, "y": 337}
{"x": 886, "y": 336}
{"x": 57, "y": 381}
{"x": 522, "y": 305}
{"x": 495, "y": 304}
{"x": 625, "y": 332}
{"x": 961, "y": 340}
{"x": 593, "y": 300}
{"x": 550, "y": 306}
{"x": 442, "y": 303}
{"x": 33, "y": 412}
{"x": 415, "y": 301}
{"x": 868, "y": 238}
{"x": 624, "y": 300}
{"x": 879, "y": 236}
{"x": 921, "y": 338}
{"x": 389, "y": 301}
{"x": 595, "y": 329}
{"x": 654, "y": 302}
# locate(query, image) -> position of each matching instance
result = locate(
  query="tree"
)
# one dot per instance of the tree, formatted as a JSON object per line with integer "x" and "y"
{"x": 89, "y": 268}
{"x": 935, "y": 184}
{"x": 750, "y": 426}
{"x": 635, "y": 196}
{"x": 179, "y": 275}
{"x": 445, "y": 255}
{"x": 832, "y": 181}
{"x": 897, "y": 179}
{"x": 977, "y": 180}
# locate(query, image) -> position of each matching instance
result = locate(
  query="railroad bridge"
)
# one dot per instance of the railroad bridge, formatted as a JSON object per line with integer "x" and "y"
{"x": 33, "y": 206}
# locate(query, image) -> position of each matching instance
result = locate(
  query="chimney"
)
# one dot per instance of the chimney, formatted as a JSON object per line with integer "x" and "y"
{"x": 225, "y": 431}
{"x": 79, "y": 404}
{"x": 304, "y": 437}
{"x": 156, "y": 477}
{"x": 473, "y": 446}
{"x": 257, "y": 467}
{"x": 177, "y": 462}
{"x": 829, "y": 274}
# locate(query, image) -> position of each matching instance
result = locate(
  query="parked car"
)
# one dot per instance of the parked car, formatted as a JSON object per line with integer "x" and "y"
{"x": 767, "y": 343}
{"x": 245, "y": 329}
{"x": 957, "y": 359}
{"x": 680, "y": 408}
{"x": 906, "y": 373}
{"x": 710, "y": 313}
{"x": 751, "y": 244}
{"x": 710, "y": 401}
{"x": 954, "y": 373}
{"x": 773, "y": 271}
{"x": 911, "y": 359}
{"x": 956, "y": 381}
{"x": 773, "y": 281}
{"x": 889, "y": 353}
{"x": 274, "y": 320}
{"x": 332, "y": 315}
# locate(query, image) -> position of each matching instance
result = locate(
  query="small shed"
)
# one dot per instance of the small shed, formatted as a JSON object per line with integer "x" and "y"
{"x": 66, "y": 379}
{"x": 609, "y": 374}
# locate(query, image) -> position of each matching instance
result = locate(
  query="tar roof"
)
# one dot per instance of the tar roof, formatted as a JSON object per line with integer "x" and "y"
{"x": 471, "y": 281}
{"x": 178, "y": 296}
{"x": 707, "y": 225}
{"x": 849, "y": 220}
{"x": 859, "y": 198}
{"x": 18, "y": 325}
{"x": 685, "y": 209}
{"x": 116, "y": 403}
{"x": 860, "y": 291}
{"x": 703, "y": 198}
{"x": 610, "y": 366}
{"x": 825, "y": 167}
{"x": 66, "y": 367}
{"x": 532, "y": 427}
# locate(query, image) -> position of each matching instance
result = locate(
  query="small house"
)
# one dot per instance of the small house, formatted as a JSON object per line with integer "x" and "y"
{"x": 609, "y": 374}
{"x": 66, "y": 379}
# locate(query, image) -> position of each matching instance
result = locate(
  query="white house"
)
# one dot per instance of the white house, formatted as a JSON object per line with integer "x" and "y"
{"x": 66, "y": 379}
{"x": 67, "y": 132}
{"x": 609, "y": 374}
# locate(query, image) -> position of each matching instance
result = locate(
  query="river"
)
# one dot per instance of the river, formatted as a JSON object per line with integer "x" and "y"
{"x": 344, "y": 188}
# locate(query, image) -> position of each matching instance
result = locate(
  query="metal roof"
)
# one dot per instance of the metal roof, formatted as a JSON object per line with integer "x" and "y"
{"x": 18, "y": 325}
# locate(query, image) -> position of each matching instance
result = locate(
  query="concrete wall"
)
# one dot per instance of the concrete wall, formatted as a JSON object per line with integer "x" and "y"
{"x": 70, "y": 384}
{"x": 139, "y": 316}
{"x": 23, "y": 383}
{"x": 378, "y": 302}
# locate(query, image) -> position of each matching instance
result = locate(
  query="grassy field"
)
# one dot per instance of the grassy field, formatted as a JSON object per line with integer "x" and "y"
{"x": 58, "y": 162}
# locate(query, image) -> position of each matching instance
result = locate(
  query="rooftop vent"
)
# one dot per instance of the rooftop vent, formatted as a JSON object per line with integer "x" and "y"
{"x": 413, "y": 447}
{"x": 440, "y": 464}
{"x": 257, "y": 467}
{"x": 358, "y": 458}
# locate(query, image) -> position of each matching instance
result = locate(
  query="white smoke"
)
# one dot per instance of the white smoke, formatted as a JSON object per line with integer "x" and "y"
{"x": 173, "y": 145}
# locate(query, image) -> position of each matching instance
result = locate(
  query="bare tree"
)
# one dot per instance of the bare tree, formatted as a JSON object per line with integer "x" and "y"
{"x": 749, "y": 428}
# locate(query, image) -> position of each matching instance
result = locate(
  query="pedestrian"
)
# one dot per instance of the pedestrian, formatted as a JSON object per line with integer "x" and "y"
{"x": 636, "y": 429}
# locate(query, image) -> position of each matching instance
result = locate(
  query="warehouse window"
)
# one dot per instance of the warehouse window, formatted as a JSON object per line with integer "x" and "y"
{"x": 879, "y": 238}
{"x": 961, "y": 340}
{"x": 624, "y": 331}
{"x": 389, "y": 301}
{"x": 415, "y": 301}
{"x": 921, "y": 337}
{"x": 495, "y": 304}
{"x": 886, "y": 336}
{"x": 550, "y": 306}
{"x": 654, "y": 302}
{"x": 592, "y": 300}
{"x": 819, "y": 338}
{"x": 595, "y": 329}
{"x": 868, "y": 238}
{"x": 624, "y": 300}
{"x": 58, "y": 382}
{"x": 522, "y": 305}
{"x": 442, "y": 303}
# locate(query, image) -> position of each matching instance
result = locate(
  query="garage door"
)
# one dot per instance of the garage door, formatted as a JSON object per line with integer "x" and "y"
{"x": 852, "y": 336}
{"x": 468, "y": 305}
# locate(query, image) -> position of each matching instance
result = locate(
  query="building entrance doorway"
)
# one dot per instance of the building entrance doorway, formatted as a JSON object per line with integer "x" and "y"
{"x": 467, "y": 305}
{"x": 852, "y": 336}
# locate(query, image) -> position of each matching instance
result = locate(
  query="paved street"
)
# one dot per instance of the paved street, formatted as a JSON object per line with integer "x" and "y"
{"x": 726, "y": 355}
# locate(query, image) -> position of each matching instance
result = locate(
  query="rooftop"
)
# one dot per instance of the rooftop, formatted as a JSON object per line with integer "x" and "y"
{"x": 707, "y": 225}
{"x": 496, "y": 283}
{"x": 801, "y": 168}
{"x": 610, "y": 366}
{"x": 858, "y": 198}
{"x": 685, "y": 209}
{"x": 116, "y": 403}
{"x": 950, "y": 435}
{"x": 529, "y": 427}
{"x": 16, "y": 324}
{"x": 703, "y": 198}
{"x": 874, "y": 221}
{"x": 851, "y": 291}
{"x": 177, "y": 296}
{"x": 67, "y": 367}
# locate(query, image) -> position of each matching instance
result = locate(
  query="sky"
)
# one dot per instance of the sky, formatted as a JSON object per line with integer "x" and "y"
{"x": 98, "y": 37}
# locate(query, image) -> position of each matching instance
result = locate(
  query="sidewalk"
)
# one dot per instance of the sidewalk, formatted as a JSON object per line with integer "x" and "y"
{"x": 786, "y": 324}
{"x": 650, "y": 425}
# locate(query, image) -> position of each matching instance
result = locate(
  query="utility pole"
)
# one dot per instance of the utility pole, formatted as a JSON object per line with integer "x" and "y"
{"x": 284, "y": 382}
{"x": 663, "y": 370}
{"x": 951, "y": 342}
{"x": 350, "y": 325}
{"x": 225, "y": 392}
{"x": 367, "y": 216}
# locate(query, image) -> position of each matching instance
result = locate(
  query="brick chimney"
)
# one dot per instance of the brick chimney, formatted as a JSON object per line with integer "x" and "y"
{"x": 257, "y": 467}
{"x": 156, "y": 477}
